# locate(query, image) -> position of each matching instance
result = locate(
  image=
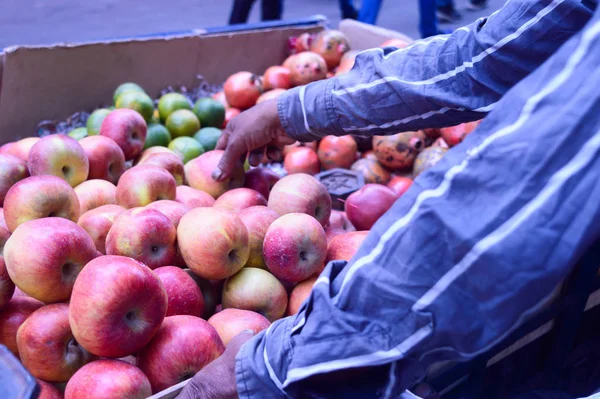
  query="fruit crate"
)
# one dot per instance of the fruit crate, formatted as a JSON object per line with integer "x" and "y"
{"x": 557, "y": 349}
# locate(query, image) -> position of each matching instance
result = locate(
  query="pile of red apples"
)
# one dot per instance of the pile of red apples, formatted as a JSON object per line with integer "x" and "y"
{"x": 125, "y": 272}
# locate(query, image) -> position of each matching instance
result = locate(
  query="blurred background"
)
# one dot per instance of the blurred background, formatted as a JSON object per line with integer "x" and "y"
{"x": 43, "y": 22}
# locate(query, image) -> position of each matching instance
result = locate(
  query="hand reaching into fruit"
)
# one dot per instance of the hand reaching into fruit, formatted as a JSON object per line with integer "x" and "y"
{"x": 217, "y": 380}
{"x": 255, "y": 132}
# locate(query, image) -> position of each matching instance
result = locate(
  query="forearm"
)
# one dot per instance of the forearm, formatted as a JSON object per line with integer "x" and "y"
{"x": 442, "y": 81}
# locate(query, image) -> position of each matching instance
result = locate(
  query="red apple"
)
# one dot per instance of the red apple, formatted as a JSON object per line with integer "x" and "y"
{"x": 240, "y": 198}
{"x": 3, "y": 221}
{"x": 172, "y": 209}
{"x": 295, "y": 247}
{"x": 151, "y": 151}
{"x": 230, "y": 113}
{"x": 344, "y": 246}
{"x": 7, "y": 287}
{"x": 107, "y": 378}
{"x": 365, "y": 206}
{"x": 276, "y": 77}
{"x": 12, "y": 316}
{"x": 339, "y": 220}
{"x": 185, "y": 296}
{"x": 12, "y": 170}
{"x": 48, "y": 273}
{"x": 454, "y": 135}
{"x": 231, "y": 322}
{"x": 169, "y": 162}
{"x": 261, "y": 180}
{"x": 399, "y": 184}
{"x": 39, "y": 197}
{"x": 301, "y": 193}
{"x": 257, "y": 220}
{"x": 20, "y": 149}
{"x": 182, "y": 346}
{"x": 198, "y": 173}
{"x": 106, "y": 158}
{"x": 220, "y": 97}
{"x": 299, "y": 295}
{"x": 337, "y": 152}
{"x": 331, "y": 232}
{"x": 59, "y": 155}
{"x": 217, "y": 249}
{"x": 257, "y": 290}
{"x": 193, "y": 198}
{"x": 144, "y": 184}
{"x": 143, "y": 234}
{"x": 128, "y": 129}
{"x": 302, "y": 160}
{"x": 95, "y": 193}
{"x": 47, "y": 347}
{"x": 48, "y": 391}
{"x": 117, "y": 306}
{"x": 97, "y": 222}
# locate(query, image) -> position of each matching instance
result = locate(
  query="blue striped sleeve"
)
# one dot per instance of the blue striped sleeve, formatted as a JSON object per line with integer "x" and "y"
{"x": 440, "y": 81}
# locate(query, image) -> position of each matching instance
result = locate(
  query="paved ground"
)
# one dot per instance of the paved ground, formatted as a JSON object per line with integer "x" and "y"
{"x": 45, "y": 22}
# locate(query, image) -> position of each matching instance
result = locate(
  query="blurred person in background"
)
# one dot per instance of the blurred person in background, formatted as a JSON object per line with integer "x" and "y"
{"x": 271, "y": 10}
{"x": 446, "y": 11}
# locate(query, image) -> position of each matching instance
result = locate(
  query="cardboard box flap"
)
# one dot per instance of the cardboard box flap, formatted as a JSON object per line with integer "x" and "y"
{"x": 363, "y": 36}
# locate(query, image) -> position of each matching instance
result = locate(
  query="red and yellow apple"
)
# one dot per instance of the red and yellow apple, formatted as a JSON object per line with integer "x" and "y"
{"x": 301, "y": 193}
{"x": 257, "y": 220}
{"x": 144, "y": 184}
{"x": 337, "y": 152}
{"x": 12, "y": 316}
{"x": 365, "y": 206}
{"x": 256, "y": 290}
{"x": 39, "y": 197}
{"x": 198, "y": 174}
{"x": 182, "y": 346}
{"x": 59, "y": 155}
{"x": 185, "y": 296}
{"x": 344, "y": 246}
{"x": 19, "y": 149}
{"x": 106, "y": 158}
{"x": 295, "y": 247}
{"x": 97, "y": 222}
{"x": 400, "y": 184}
{"x": 193, "y": 198}
{"x": 143, "y": 234}
{"x": 12, "y": 169}
{"x": 128, "y": 129}
{"x": 169, "y": 162}
{"x": 213, "y": 242}
{"x": 108, "y": 378}
{"x": 172, "y": 209}
{"x": 117, "y": 306}
{"x": 47, "y": 347}
{"x": 153, "y": 150}
{"x": 239, "y": 198}
{"x": 231, "y": 322}
{"x": 302, "y": 160}
{"x": 261, "y": 180}
{"x": 48, "y": 273}
{"x": 299, "y": 295}
{"x": 94, "y": 193}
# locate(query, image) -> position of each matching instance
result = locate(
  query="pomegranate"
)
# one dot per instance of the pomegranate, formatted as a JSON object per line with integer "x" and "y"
{"x": 290, "y": 147}
{"x": 331, "y": 45}
{"x": 220, "y": 97}
{"x": 456, "y": 134}
{"x": 440, "y": 143}
{"x": 230, "y": 113}
{"x": 276, "y": 77}
{"x": 305, "y": 67}
{"x": 347, "y": 62}
{"x": 372, "y": 171}
{"x": 399, "y": 150}
{"x": 399, "y": 184}
{"x": 337, "y": 152}
{"x": 395, "y": 42}
{"x": 365, "y": 206}
{"x": 269, "y": 95}
{"x": 242, "y": 89}
{"x": 300, "y": 43}
{"x": 302, "y": 160}
{"x": 427, "y": 158}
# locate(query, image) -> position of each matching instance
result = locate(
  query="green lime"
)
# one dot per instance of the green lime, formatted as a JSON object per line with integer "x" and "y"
{"x": 95, "y": 121}
{"x": 210, "y": 112}
{"x": 186, "y": 147}
{"x": 137, "y": 101}
{"x": 129, "y": 86}
{"x": 208, "y": 137}
{"x": 78, "y": 133}
{"x": 157, "y": 135}
{"x": 182, "y": 122}
{"x": 171, "y": 102}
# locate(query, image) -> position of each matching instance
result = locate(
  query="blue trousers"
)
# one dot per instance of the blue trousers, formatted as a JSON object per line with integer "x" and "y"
{"x": 370, "y": 9}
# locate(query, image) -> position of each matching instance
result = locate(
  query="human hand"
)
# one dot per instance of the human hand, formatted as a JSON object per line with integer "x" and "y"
{"x": 255, "y": 132}
{"x": 217, "y": 380}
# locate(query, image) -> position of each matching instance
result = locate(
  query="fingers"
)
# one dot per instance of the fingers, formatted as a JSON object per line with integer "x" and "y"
{"x": 236, "y": 342}
{"x": 222, "y": 142}
{"x": 234, "y": 151}
{"x": 274, "y": 153}
{"x": 192, "y": 390}
{"x": 256, "y": 156}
